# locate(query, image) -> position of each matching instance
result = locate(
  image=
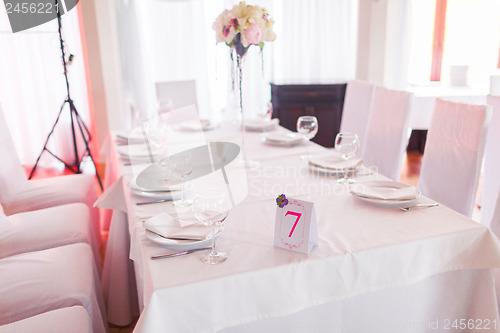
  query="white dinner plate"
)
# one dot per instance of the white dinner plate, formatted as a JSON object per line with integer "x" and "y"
{"x": 285, "y": 139}
{"x": 261, "y": 125}
{"x": 139, "y": 151}
{"x": 183, "y": 245}
{"x": 197, "y": 126}
{"x": 333, "y": 164}
{"x": 386, "y": 186}
{"x": 173, "y": 193}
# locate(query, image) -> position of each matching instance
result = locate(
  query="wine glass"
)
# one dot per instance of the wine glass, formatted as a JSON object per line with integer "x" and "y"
{"x": 210, "y": 210}
{"x": 346, "y": 145}
{"x": 307, "y": 126}
{"x": 182, "y": 166}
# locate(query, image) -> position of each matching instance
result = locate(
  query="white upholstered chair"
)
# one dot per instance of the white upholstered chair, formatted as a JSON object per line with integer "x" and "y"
{"x": 453, "y": 154}
{"x": 355, "y": 114}
{"x": 47, "y": 228}
{"x": 37, "y": 282}
{"x": 179, "y": 93}
{"x": 491, "y": 174}
{"x": 18, "y": 194}
{"x": 387, "y": 132}
{"x": 73, "y": 319}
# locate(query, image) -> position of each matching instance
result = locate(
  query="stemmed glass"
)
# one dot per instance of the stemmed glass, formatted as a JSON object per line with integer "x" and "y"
{"x": 209, "y": 209}
{"x": 181, "y": 167}
{"x": 346, "y": 145}
{"x": 307, "y": 126}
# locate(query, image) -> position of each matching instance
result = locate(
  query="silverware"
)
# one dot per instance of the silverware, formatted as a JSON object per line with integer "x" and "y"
{"x": 152, "y": 202}
{"x": 176, "y": 238}
{"x": 179, "y": 253}
{"x": 406, "y": 209}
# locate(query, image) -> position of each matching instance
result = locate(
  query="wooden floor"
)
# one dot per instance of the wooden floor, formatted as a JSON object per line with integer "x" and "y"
{"x": 409, "y": 175}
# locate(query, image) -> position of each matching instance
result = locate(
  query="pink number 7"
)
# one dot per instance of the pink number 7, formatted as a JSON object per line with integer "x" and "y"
{"x": 297, "y": 220}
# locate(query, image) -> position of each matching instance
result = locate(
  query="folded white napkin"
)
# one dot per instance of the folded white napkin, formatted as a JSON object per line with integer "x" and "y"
{"x": 335, "y": 162}
{"x": 385, "y": 193}
{"x": 165, "y": 225}
{"x": 261, "y": 125}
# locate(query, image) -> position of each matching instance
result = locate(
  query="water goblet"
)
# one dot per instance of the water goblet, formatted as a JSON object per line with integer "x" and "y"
{"x": 346, "y": 146}
{"x": 182, "y": 166}
{"x": 209, "y": 209}
{"x": 307, "y": 126}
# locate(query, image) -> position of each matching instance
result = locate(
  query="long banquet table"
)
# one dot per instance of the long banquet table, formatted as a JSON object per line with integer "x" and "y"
{"x": 375, "y": 269}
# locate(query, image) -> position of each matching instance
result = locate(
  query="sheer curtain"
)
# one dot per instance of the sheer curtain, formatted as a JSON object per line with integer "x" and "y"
{"x": 316, "y": 43}
{"x": 32, "y": 86}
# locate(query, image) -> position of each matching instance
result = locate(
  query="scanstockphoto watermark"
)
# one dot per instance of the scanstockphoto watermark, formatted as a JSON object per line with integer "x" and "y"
{"x": 26, "y": 14}
{"x": 299, "y": 180}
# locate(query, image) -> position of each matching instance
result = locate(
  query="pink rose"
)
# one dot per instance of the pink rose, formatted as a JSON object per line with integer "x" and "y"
{"x": 253, "y": 33}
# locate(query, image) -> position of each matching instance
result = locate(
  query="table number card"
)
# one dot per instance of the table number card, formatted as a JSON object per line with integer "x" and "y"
{"x": 296, "y": 228}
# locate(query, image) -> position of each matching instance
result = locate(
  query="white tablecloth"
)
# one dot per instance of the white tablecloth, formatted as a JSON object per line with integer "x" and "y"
{"x": 363, "y": 249}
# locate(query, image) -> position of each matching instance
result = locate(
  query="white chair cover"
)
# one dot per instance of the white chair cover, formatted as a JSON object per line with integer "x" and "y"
{"x": 387, "y": 132}
{"x": 17, "y": 194}
{"x": 491, "y": 176}
{"x": 357, "y": 102}
{"x": 47, "y": 228}
{"x": 180, "y": 93}
{"x": 453, "y": 154}
{"x": 74, "y": 319}
{"x": 36, "y": 282}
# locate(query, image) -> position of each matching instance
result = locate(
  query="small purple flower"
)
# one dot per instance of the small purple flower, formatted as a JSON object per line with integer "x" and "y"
{"x": 281, "y": 201}
{"x": 227, "y": 29}
{"x": 234, "y": 22}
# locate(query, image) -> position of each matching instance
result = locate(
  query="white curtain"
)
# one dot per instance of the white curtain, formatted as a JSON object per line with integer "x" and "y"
{"x": 316, "y": 43}
{"x": 32, "y": 86}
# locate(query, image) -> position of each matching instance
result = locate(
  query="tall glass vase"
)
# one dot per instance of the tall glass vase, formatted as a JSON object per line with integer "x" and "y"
{"x": 237, "y": 84}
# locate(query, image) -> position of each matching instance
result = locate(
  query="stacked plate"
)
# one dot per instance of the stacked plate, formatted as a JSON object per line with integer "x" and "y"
{"x": 386, "y": 193}
{"x": 138, "y": 153}
{"x": 261, "y": 125}
{"x": 177, "y": 235}
{"x": 197, "y": 126}
{"x": 159, "y": 193}
{"x": 333, "y": 164}
{"x": 285, "y": 139}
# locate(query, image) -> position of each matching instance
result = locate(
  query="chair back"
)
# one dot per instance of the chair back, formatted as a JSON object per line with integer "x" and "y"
{"x": 387, "y": 132}
{"x": 453, "y": 154}
{"x": 357, "y": 102}
{"x": 12, "y": 177}
{"x": 491, "y": 176}
{"x": 178, "y": 93}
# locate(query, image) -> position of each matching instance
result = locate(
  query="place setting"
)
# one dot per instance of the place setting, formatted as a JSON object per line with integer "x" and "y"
{"x": 192, "y": 230}
{"x": 340, "y": 163}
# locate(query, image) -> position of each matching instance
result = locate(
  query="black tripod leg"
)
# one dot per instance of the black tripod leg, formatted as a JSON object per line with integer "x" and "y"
{"x": 47, "y": 140}
{"x": 73, "y": 135}
{"x": 82, "y": 126}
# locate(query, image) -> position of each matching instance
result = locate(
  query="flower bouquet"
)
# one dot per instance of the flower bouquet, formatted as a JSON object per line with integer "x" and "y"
{"x": 242, "y": 26}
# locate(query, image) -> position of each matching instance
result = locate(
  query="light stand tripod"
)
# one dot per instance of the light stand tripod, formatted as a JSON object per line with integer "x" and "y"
{"x": 76, "y": 120}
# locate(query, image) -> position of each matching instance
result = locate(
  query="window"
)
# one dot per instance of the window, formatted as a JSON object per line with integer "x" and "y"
{"x": 454, "y": 38}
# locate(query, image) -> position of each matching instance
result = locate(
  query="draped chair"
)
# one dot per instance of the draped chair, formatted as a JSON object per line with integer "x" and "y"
{"x": 387, "y": 132}
{"x": 47, "y": 228}
{"x": 178, "y": 93}
{"x": 355, "y": 113}
{"x": 453, "y": 154}
{"x": 37, "y": 282}
{"x": 491, "y": 175}
{"x": 73, "y": 319}
{"x": 18, "y": 194}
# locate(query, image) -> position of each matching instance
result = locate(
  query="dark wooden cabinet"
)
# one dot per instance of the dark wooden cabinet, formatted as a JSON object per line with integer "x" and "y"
{"x": 325, "y": 101}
